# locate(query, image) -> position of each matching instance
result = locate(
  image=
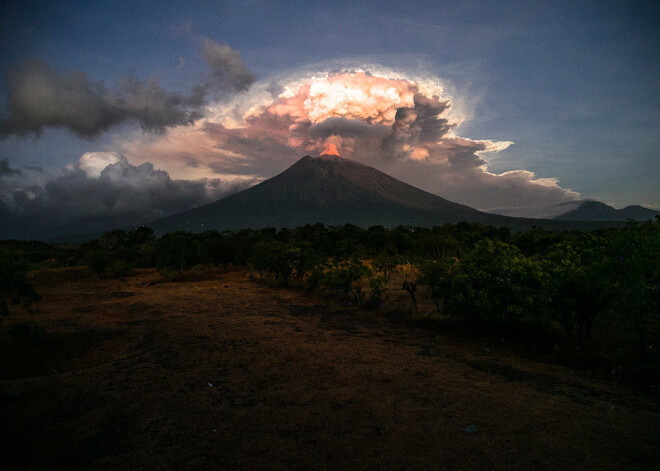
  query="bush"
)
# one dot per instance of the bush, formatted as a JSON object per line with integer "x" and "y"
{"x": 376, "y": 291}
{"x": 177, "y": 250}
{"x": 436, "y": 275}
{"x": 14, "y": 286}
{"x": 119, "y": 269}
{"x": 497, "y": 283}
{"x": 346, "y": 278}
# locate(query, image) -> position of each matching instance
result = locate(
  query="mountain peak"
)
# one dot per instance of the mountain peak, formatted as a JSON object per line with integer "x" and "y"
{"x": 592, "y": 210}
{"x": 327, "y": 189}
{"x": 330, "y": 157}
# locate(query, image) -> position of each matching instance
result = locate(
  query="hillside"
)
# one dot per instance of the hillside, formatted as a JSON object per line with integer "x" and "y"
{"x": 597, "y": 211}
{"x": 336, "y": 191}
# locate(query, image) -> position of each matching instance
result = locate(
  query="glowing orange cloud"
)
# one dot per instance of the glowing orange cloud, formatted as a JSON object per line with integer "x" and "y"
{"x": 401, "y": 126}
{"x": 330, "y": 149}
{"x": 332, "y": 144}
{"x": 354, "y": 96}
{"x": 347, "y": 95}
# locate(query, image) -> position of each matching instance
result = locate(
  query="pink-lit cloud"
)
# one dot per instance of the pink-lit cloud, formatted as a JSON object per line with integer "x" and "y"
{"x": 398, "y": 125}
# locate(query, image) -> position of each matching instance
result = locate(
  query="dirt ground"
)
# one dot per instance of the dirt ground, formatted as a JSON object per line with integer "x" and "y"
{"x": 218, "y": 372}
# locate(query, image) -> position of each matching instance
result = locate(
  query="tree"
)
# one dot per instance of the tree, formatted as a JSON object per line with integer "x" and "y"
{"x": 216, "y": 248}
{"x": 410, "y": 282}
{"x": 14, "y": 286}
{"x": 283, "y": 259}
{"x": 140, "y": 236}
{"x": 386, "y": 264}
{"x": 496, "y": 282}
{"x": 112, "y": 240}
{"x": 633, "y": 256}
{"x": 436, "y": 276}
{"x": 579, "y": 284}
{"x": 376, "y": 290}
{"x": 411, "y": 287}
{"x": 177, "y": 250}
{"x": 346, "y": 278}
{"x": 437, "y": 246}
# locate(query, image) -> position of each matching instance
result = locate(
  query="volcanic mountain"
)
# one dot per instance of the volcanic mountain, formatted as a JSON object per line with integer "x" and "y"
{"x": 333, "y": 191}
{"x": 597, "y": 211}
{"x": 327, "y": 189}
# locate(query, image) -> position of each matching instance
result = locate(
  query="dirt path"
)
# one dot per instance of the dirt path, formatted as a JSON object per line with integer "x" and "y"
{"x": 221, "y": 373}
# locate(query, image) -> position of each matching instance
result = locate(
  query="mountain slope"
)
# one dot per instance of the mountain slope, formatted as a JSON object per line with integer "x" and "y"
{"x": 597, "y": 211}
{"x": 336, "y": 191}
{"x": 325, "y": 189}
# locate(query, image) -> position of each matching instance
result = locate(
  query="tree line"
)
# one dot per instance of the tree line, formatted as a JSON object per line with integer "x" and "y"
{"x": 580, "y": 282}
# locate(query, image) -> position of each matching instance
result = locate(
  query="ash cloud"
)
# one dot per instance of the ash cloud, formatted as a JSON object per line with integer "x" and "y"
{"x": 403, "y": 127}
{"x": 395, "y": 125}
{"x": 103, "y": 191}
{"x": 40, "y": 97}
{"x": 345, "y": 128}
{"x": 417, "y": 125}
{"x": 228, "y": 72}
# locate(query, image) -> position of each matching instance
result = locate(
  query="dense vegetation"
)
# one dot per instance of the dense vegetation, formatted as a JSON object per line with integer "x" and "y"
{"x": 599, "y": 287}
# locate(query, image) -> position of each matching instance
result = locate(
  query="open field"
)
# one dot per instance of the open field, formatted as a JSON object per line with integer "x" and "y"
{"x": 218, "y": 372}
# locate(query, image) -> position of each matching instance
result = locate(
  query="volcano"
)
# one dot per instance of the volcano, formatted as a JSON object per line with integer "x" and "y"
{"x": 333, "y": 191}
{"x": 597, "y": 211}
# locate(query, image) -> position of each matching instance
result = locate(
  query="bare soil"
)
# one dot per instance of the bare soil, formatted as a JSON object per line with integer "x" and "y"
{"x": 218, "y": 372}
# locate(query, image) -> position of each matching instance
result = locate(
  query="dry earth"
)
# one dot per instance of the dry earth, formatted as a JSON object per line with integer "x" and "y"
{"x": 221, "y": 373}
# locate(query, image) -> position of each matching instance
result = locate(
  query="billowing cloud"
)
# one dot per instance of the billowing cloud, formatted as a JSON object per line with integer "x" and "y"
{"x": 6, "y": 169}
{"x": 400, "y": 125}
{"x": 102, "y": 191}
{"x": 228, "y": 72}
{"x": 397, "y": 124}
{"x": 39, "y": 96}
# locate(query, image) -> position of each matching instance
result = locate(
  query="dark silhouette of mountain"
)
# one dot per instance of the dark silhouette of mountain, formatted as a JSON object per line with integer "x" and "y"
{"x": 597, "y": 211}
{"x": 336, "y": 191}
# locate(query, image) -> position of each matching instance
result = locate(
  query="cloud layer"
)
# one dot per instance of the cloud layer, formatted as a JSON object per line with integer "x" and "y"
{"x": 102, "y": 191}
{"x": 402, "y": 126}
{"x": 38, "y": 97}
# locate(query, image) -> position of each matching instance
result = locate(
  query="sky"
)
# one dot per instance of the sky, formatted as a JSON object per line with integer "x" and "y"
{"x": 115, "y": 113}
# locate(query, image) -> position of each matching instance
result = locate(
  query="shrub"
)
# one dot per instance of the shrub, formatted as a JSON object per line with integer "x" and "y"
{"x": 14, "y": 286}
{"x": 376, "y": 291}
{"x": 436, "y": 276}
{"x": 346, "y": 278}
{"x": 119, "y": 269}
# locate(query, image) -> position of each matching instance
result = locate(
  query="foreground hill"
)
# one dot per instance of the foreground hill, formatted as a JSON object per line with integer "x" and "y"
{"x": 336, "y": 191}
{"x": 597, "y": 211}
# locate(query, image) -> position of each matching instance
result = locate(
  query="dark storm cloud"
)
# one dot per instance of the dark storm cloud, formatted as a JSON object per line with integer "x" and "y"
{"x": 465, "y": 160}
{"x": 38, "y": 97}
{"x": 41, "y": 97}
{"x": 121, "y": 196}
{"x": 5, "y": 169}
{"x": 249, "y": 151}
{"x": 345, "y": 128}
{"x": 419, "y": 124}
{"x": 228, "y": 72}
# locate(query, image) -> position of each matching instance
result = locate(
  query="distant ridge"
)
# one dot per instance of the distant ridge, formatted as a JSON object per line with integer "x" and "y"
{"x": 597, "y": 211}
{"x": 336, "y": 191}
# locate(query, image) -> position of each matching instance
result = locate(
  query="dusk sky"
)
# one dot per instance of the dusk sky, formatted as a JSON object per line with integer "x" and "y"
{"x": 117, "y": 113}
